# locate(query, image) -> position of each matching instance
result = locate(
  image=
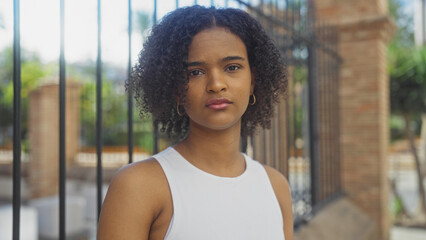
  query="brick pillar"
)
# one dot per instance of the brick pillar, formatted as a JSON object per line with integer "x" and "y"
{"x": 44, "y": 136}
{"x": 364, "y": 31}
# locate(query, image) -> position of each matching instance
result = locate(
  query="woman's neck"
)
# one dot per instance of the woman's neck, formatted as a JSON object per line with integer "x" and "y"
{"x": 215, "y": 151}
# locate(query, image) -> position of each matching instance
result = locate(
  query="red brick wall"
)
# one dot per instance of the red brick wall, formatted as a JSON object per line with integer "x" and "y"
{"x": 364, "y": 31}
{"x": 43, "y": 172}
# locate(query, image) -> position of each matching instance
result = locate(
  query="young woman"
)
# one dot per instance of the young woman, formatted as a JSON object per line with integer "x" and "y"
{"x": 208, "y": 76}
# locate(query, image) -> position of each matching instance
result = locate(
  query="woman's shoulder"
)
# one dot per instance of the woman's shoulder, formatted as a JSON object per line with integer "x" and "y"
{"x": 136, "y": 196}
{"x": 276, "y": 177}
{"x": 145, "y": 173}
{"x": 282, "y": 192}
{"x": 141, "y": 180}
{"x": 133, "y": 170}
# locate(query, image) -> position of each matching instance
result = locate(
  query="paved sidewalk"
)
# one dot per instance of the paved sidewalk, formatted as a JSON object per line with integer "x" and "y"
{"x": 402, "y": 233}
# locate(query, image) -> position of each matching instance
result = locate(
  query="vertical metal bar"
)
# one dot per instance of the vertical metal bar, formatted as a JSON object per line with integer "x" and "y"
{"x": 265, "y": 157}
{"x": 313, "y": 121}
{"x": 195, "y": 2}
{"x": 276, "y": 10}
{"x": 211, "y": 2}
{"x": 327, "y": 112}
{"x": 275, "y": 141}
{"x": 328, "y": 119}
{"x": 292, "y": 13}
{"x": 16, "y": 119}
{"x": 335, "y": 123}
{"x": 130, "y": 97}
{"x": 299, "y": 15}
{"x": 155, "y": 123}
{"x": 271, "y": 9}
{"x": 177, "y": 3}
{"x": 286, "y": 11}
{"x": 337, "y": 112}
{"x": 274, "y": 156}
{"x": 330, "y": 113}
{"x": 324, "y": 109}
{"x": 244, "y": 144}
{"x": 280, "y": 142}
{"x": 99, "y": 113}
{"x": 156, "y": 137}
{"x": 333, "y": 117}
{"x": 154, "y": 16}
{"x": 319, "y": 103}
{"x": 423, "y": 25}
{"x": 62, "y": 145}
{"x": 226, "y": 3}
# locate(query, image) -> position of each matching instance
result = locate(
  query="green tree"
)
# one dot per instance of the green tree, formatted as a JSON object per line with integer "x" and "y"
{"x": 404, "y": 35}
{"x": 114, "y": 109}
{"x": 32, "y": 71}
{"x": 407, "y": 71}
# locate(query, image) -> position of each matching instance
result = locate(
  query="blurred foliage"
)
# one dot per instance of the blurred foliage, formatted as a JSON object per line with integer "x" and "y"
{"x": 301, "y": 99}
{"x": 406, "y": 66}
{"x": 407, "y": 70}
{"x": 114, "y": 108}
{"x": 397, "y": 208}
{"x": 114, "y": 98}
{"x": 404, "y": 35}
{"x": 32, "y": 71}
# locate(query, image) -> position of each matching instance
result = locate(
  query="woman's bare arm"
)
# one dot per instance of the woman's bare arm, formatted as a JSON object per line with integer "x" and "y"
{"x": 282, "y": 191}
{"x": 131, "y": 204}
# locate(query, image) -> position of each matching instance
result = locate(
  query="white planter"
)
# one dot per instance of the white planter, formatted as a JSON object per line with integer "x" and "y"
{"x": 28, "y": 222}
{"x": 48, "y": 215}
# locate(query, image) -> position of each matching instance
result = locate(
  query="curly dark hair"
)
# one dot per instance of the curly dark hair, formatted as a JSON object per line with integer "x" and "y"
{"x": 159, "y": 78}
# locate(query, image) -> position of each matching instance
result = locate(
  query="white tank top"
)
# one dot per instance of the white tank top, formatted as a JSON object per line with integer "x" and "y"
{"x": 209, "y": 207}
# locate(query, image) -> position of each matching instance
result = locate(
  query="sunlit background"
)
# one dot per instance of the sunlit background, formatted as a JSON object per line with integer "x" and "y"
{"x": 40, "y": 67}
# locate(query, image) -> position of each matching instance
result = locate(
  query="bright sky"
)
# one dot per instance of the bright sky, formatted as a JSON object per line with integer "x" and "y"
{"x": 40, "y": 27}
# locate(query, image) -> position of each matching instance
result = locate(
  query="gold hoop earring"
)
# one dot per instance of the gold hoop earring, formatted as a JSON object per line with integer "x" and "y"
{"x": 254, "y": 100}
{"x": 177, "y": 110}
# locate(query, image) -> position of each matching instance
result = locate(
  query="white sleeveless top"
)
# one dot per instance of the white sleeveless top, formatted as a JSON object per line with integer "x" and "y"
{"x": 209, "y": 207}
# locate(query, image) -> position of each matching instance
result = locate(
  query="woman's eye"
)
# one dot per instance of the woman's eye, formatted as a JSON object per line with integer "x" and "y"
{"x": 195, "y": 72}
{"x": 232, "y": 68}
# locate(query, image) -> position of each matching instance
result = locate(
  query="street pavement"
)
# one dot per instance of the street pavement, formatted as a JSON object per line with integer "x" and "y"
{"x": 403, "y": 233}
{"x": 406, "y": 185}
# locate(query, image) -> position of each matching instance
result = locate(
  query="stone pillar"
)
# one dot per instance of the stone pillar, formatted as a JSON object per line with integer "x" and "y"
{"x": 364, "y": 31}
{"x": 44, "y": 136}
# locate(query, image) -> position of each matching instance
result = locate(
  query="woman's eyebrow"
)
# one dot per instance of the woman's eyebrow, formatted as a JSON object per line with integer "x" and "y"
{"x": 225, "y": 59}
{"x": 231, "y": 58}
{"x": 192, "y": 64}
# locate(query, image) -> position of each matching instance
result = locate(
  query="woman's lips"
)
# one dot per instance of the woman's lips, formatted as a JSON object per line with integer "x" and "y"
{"x": 218, "y": 103}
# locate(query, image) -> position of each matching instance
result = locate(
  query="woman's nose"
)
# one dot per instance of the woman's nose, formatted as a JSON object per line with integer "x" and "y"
{"x": 216, "y": 81}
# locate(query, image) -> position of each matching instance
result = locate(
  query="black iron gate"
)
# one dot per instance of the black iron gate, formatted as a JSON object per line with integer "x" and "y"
{"x": 304, "y": 140}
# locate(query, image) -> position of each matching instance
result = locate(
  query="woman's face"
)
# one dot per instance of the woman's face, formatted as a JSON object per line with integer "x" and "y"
{"x": 220, "y": 80}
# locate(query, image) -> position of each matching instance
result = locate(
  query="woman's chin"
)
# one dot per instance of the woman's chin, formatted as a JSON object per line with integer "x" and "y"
{"x": 220, "y": 124}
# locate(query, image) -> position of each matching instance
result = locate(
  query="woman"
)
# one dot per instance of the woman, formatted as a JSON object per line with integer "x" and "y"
{"x": 208, "y": 76}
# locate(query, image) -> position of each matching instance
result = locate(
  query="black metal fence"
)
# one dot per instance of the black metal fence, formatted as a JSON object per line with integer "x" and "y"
{"x": 304, "y": 140}
{"x": 309, "y": 114}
